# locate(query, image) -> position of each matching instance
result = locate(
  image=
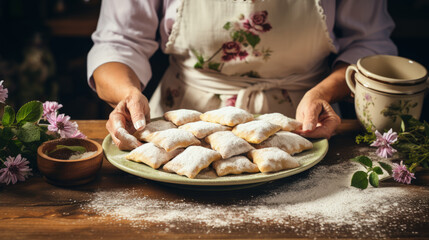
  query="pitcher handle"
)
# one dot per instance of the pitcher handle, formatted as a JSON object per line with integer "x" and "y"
{"x": 350, "y": 82}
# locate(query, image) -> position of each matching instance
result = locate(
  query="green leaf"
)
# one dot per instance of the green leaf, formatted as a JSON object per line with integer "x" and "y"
{"x": 227, "y": 26}
{"x": 252, "y": 39}
{"x": 373, "y": 179}
{"x": 368, "y": 137}
{"x": 200, "y": 59}
{"x": 79, "y": 149}
{"x": 386, "y": 167}
{"x": 378, "y": 170}
{"x": 8, "y": 116}
{"x": 236, "y": 35}
{"x": 403, "y": 127}
{"x": 198, "y": 65}
{"x": 360, "y": 180}
{"x": 364, "y": 160}
{"x": 408, "y": 122}
{"x": 29, "y": 132}
{"x": 426, "y": 126}
{"x": 6, "y": 134}
{"x": 214, "y": 66}
{"x": 30, "y": 112}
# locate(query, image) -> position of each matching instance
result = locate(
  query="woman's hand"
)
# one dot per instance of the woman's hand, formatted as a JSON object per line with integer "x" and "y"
{"x": 318, "y": 118}
{"x": 118, "y": 85}
{"x": 129, "y": 115}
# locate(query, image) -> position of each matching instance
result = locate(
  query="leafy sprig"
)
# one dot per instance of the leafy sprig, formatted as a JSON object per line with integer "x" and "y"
{"x": 20, "y": 133}
{"x": 412, "y": 144}
{"x": 361, "y": 179}
{"x": 368, "y": 137}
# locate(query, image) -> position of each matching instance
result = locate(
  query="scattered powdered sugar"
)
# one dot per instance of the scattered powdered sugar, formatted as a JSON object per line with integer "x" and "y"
{"x": 82, "y": 155}
{"x": 318, "y": 204}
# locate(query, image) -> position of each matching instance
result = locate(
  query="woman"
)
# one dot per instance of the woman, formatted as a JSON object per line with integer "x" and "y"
{"x": 259, "y": 55}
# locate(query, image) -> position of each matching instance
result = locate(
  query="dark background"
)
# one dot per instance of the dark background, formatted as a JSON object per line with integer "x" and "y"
{"x": 44, "y": 44}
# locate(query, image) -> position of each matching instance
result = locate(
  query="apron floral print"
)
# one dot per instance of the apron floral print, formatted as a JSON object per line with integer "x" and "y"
{"x": 245, "y": 35}
{"x": 248, "y": 54}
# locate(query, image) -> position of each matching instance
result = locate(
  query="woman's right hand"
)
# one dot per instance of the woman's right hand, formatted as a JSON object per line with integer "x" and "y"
{"x": 118, "y": 85}
{"x": 130, "y": 114}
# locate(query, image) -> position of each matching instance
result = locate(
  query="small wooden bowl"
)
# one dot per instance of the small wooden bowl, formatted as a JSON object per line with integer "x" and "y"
{"x": 69, "y": 172}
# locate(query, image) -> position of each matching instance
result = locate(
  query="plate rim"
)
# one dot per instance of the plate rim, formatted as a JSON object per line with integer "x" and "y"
{"x": 183, "y": 180}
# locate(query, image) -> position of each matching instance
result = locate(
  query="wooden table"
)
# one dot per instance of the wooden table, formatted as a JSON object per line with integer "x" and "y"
{"x": 35, "y": 209}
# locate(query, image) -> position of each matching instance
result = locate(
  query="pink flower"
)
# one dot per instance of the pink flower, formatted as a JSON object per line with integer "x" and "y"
{"x": 383, "y": 143}
{"x": 368, "y": 97}
{"x": 62, "y": 125}
{"x": 3, "y": 92}
{"x": 16, "y": 170}
{"x": 243, "y": 55}
{"x": 232, "y": 50}
{"x": 257, "y": 22}
{"x": 401, "y": 173}
{"x": 50, "y": 107}
{"x": 78, "y": 134}
{"x": 230, "y": 102}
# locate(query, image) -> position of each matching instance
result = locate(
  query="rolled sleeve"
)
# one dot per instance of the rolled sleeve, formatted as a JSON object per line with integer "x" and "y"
{"x": 363, "y": 28}
{"x": 125, "y": 33}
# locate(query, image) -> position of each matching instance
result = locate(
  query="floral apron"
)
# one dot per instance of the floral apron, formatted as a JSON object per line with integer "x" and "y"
{"x": 259, "y": 55}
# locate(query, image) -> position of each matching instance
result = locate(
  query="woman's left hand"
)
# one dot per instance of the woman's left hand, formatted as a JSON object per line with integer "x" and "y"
{"x": 318, "y": 118}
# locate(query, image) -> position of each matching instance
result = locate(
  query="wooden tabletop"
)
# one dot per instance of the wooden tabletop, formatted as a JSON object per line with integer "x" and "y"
{"x": 35, "y": 209}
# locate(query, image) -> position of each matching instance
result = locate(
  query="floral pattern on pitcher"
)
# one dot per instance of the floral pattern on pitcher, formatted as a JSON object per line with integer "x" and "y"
{"x": 245, "y": 36}
{"x": 368, "y": 101}
{"x": 398, "y": 108}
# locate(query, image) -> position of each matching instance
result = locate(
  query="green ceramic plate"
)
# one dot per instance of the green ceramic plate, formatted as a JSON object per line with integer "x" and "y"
{"x": 307, "y": 160}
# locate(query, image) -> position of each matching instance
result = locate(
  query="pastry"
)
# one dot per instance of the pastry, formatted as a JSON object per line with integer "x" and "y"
{"x": 191, "y": 161}
{"x": 289, "y": 142}
{"x": 255, "y": 131}
{"x": 172, "y": 139}
{"x": 234, "y": 165}
{"x": 207, "y": 173}
{"x": 228, "y": 116}
{"x": 287, "y": 124}
{"x": 152, "y": 127}
{"x": 202, "y": 129}
{"x": 152, "y": 155}
{"x": 272, "y": 159}
{"x": 227, "y": 144}
{"x": 182, "y": 116}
